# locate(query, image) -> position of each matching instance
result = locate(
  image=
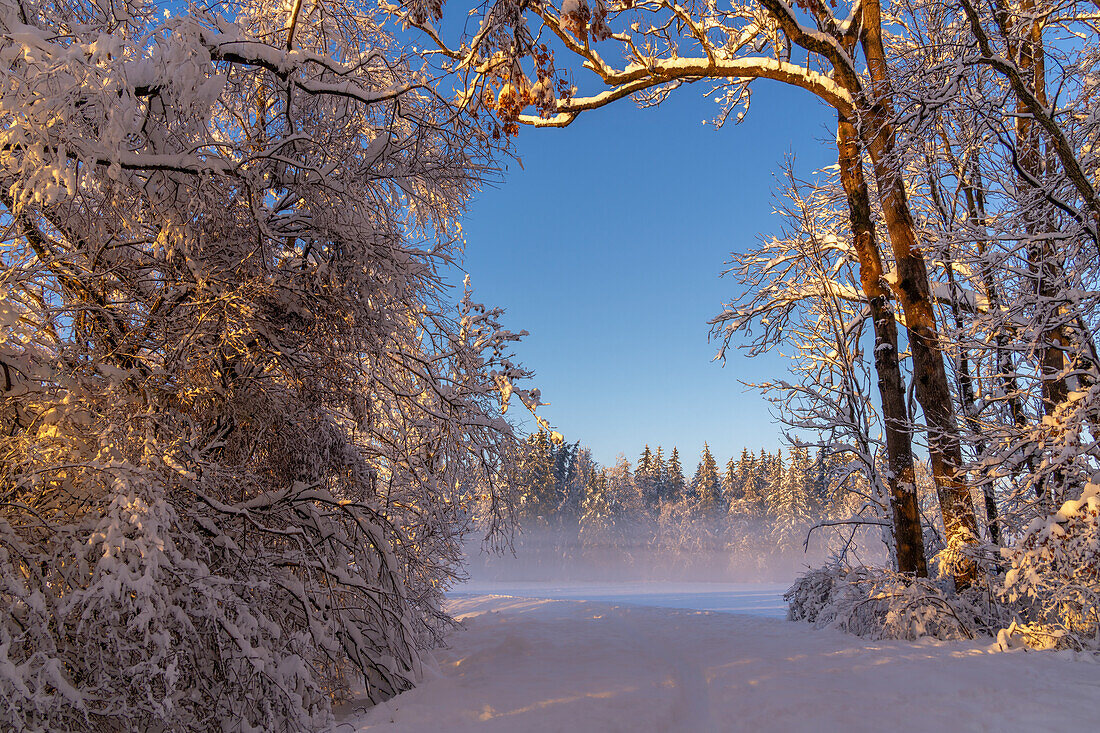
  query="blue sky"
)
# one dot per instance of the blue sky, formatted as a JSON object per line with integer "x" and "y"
{"x": 607, "y": 245}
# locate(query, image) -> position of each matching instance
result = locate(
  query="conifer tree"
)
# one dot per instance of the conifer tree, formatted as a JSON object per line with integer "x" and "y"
{"x": 537, "y": 496}
{"x": 773, "y": 479}
{"x": 623, "y": 489}
{"x": 750, "y": 477}
{"x": 676, "y": 481}
{"x": 598, "y": 509}
{"x": 563, "y": 458}
{"x": 647, "y": 477}
{"x": 585, "y": 469}
{"x": 661, "y": 477}
{"x": 730, "y": 489}
{"x": 793, "y": 503}
{"x": 706, "y": 486}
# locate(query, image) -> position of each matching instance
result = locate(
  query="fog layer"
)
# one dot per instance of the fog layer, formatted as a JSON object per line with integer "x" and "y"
{"x": 642, "y": 553}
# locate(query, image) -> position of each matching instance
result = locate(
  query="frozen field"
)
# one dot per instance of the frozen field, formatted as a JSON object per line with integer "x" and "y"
{"x": 536, "y": 665}
{"x": 757, "y": 599}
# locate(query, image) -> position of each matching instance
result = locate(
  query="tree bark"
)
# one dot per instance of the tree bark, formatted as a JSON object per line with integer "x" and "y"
{"x": 1042, "y": 259}
{"x": 915, "y": 294}
{"x": 908, "y": 537}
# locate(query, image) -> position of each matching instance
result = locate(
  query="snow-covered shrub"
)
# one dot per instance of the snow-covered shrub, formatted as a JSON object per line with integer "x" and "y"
{"x": 237, "y": 405}
{"x": 811, "y": 592}
{"x": 1053, "y": 579}
{"x": 133, "y": 618}
{"x": 879, "y": 604}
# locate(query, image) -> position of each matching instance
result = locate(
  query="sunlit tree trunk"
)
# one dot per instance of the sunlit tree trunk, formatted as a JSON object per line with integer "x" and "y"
{"x": 914, "y": 292}
{"x": 900, "y": 478}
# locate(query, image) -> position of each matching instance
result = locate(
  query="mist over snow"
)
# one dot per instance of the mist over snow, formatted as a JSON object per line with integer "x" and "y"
{"x": 641, "y": 555}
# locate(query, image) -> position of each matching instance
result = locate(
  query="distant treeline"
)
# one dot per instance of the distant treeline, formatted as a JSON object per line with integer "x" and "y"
{"x": 752, "y": 516}
{"x": 563, "y": 480}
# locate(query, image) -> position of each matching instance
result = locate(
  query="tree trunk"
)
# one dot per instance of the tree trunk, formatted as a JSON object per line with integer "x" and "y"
{"x": 908, "y": 537}
{"x": 965, "y": 381}
{"x": 973, "y": 192}
{"x": 915, "y": 293}
{"x": 1042, "y": 258}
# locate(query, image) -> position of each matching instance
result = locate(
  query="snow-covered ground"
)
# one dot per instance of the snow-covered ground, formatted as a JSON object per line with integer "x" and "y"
{"x": 533, "y": 665}
{"x": 757, "y": 599}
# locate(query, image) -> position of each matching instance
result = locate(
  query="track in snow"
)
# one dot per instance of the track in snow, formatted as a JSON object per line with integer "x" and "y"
{"x": 756, "y": 599}
{"x": 540, "y": 665}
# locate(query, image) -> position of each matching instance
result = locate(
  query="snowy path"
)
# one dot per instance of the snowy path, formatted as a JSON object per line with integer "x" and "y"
{"x": 538, "y": 665}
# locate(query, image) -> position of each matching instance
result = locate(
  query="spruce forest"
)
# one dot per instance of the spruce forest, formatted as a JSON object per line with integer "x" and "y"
{"x": 268, "y": 463}
{"x": 755, "y": 517}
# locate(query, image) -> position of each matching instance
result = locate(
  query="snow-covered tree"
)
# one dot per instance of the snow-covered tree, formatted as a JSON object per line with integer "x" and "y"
{"x": 677, "y": 484}
{"x": 238, "y": 401}
{"x": 661, "y": 484}
{"x": 706, "y": 486}
{"x": 793, "y": 498}
{"x": 535, "y": 483}
{"x": 650, "y": 49}
{"x": 1053, "y": 576}
{"x": 647, "y": 477}
{"x": 772, "y": 470}
{"x": 731, "y": 488}
{"x": 801, "y": 287}
{"x": 751, "y": 501}
{"x": 624, "y": 489}
{"x": 584, "y": 470}
{"x": 976, "y": 324}
{"x": 600, "y": 511}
